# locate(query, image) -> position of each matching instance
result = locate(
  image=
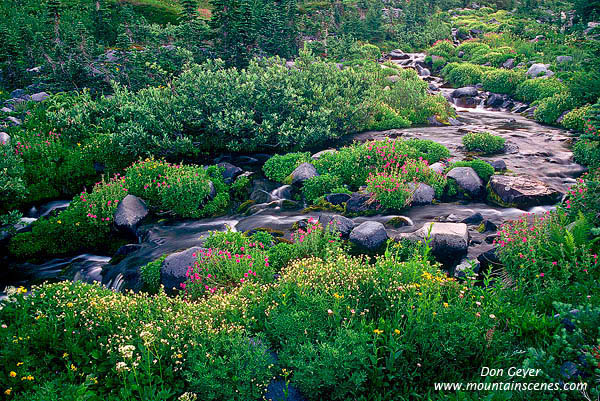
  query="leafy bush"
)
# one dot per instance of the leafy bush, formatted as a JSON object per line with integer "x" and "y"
{"x": 483, "y": 142}
{"x": 278, "y": 167}
{"x": 584, "y": 197}
{"x": 483, "y": 169}
{"x": 576, "y": 118}
{"x": 320, "y": 185}
{"x": 12, "y": 184}
{"x": 443, "y": 48}
{"x": 502, "y": 81}
{"x": 531, "y": 90}
{"x": 551, "y": 108}
{"x": 150, "y": 275}
{"x": 587, "y": 152}
{"x": 464, "y": 74}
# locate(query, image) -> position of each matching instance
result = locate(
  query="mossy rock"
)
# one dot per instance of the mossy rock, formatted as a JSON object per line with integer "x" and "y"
{"x": 273, "y": 232}
{"x": 245, "y": 206}
{"x": 323, "y": 205}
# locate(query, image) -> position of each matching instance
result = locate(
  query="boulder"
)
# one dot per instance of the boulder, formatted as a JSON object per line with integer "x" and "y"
{"x": 303, "y": 172}
{"x": 370, "y": 235}
{"x": 465, "y": 265}
{"x": 422, "y": 194}
{"x": 283, "y": 192}
{"x": 343, "y": 224}
{"x": 495, "y": 100}
{"x": 460, "y": 54}
{"x": 17, "y": 93}
{"x": 468, "y": 91}
{"x": 260, "y": 196}
{"x": 509, "y": 64}
{"x": 521, "y": 191}
{"x": 6, "y": 110}
{"x": 337, "y": 199}
{"x": 473, "y": 219}
{"x": 230, "y": 172}
{"x": 434, "y": 122}
{"x": 539, "y": 70}
{"x": 130, "y": 212}
{"x": 454, "y": 122}
{"x": 564, "y": 59}
{"x": 398, "y": 55}
{"x": 40, "y": 96}
{"x": 448, "y": 241}
{"x": 498, "y": 165}
{"x": 488, "y": 259}
{"x": 4, "y": 138}
{"x": 359, "y": 203}
{"x": 467, "y": 180}
{"x": 318, "y": 155}
{"x": 175, "y": 266}
{"x": 438, "y": 167}
{"x": 13, "y": 121}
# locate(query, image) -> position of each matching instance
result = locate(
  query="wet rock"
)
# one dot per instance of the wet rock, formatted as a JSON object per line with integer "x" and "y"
{"x": 338, "y": 198}
{"x": 398, "y": 55}
{"x": 303, "y": 172}
{"x": 467, "y": 180}
{"x": 230, "y": 172}
{"x": 564, "y": 59}
{"x": 343, "y": 224}
{"x": 246, "y": 160}
{"x": 422, "y": 194}
{"x": 448, "y": 240}
{"x": 522, "y": 191}
{"x": 498, "y": 165}
{"x": 318, "y": 155}
{"x": 175, "y": 266}
{"x": 454, "y": 122}
{"x": 490, "y": 238}
{"x": 488, "y": 259}
{"x": 359, "y": 203}
{"x": 283, "y": 192}
{"x": 460, "y": 271}
{"x": 434, "y": 122}
{"x": 370, "y": 235}
{"x": 473, "y": 219}
{"x": 468, "y": 91}
{"x": 509, "y": 64}
{"x": 260, "y": 196}
{"x": 562, "y": 116}
{"x": 539, "y": 70}
{"x": 495, "y": 100}
{"x": 40, "y": 96}
{"x": 212, "y": 191}
{"x": 130, "y": 212}
{"x": 487, "y": 226}
{"x": 399, "y": 221}
{"x": 17, "y": 93}
{"x": 4, "y": 138}
{"x": 438, "y": 167}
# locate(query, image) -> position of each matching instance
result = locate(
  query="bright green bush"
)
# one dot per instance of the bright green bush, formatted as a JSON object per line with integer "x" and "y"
{"x": 12, "y": 184}
{"x": 316, "y": 187}
{"x": 587, "y": 152}
{"x": 502, "y": 81}
{"x": 472, "y": 47}
{"x": 531, "y": 90}
{"x": 576, "y": 119}
{"x": 443, "y": 48}
{"x": 551, "y": 108}
{"x": 483, "y": 142}
{"x": 278, "y": 167}
{"x": 463, "y": 74}
{"x": 150, "y": 275}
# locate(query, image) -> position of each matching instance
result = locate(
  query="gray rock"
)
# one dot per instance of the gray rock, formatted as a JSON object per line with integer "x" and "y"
{"x": 5, "y": 110}
{"x": 466, "y": 265}
{"x": 509, "y": 64}
{"x": 130, "y": 212}
{"x": 343, "y": 224}
{"x": 359, "y": 203}
{"x": 175, "y": 266}
{"x": 370, "y": 235}
{"x": 422, "y": 194}
{"x": 454, "y": 122}
{"x": 564, "y": 59}
{"x": 539, "y": 70}
{"x": 338, "y": 198}
{"x": 13, "y": 121}
{"x": 40, "y": 96}
{"x": 17, "y": 93}
{"x": 260, "y": 196}
{"x": 230, "y": 172}
{"x": 424, "y": 72}
{"x": 398, "y": 221}
{"x": 283, "y": 192}
{"x": 475, "y": 32}
{"x": 447, "y": 240}
{"x": 467, "y": 180}
{"x": 212, "y": 191}
{"x": 318, "y": 155}
{"x": 495, "y": 100}
{"x": 438, "y": 167}
{"x": 460, "y": 54}
{"x": 522, "y": 191}
{"x": 562, "y": 116}
{"x": 433, "y": 121}
{"x": 498, "y": 165}
{"x": 398, "y": 55}
{"x": 468, "y": 91}
{"x": 4, "y": 138}
{"x": 303, "y": 172}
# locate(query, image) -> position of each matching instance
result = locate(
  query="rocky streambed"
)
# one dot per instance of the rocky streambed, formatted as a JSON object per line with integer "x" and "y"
{"x": 537, "y": 163}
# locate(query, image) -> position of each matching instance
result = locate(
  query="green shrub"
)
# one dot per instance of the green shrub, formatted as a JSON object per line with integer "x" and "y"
{"x": 150, "y": 275}
{"x": 278, "y": 167}
{"x": 320, "y": 185}
{"x": 483, "y": 142}
{"x": 12, "y": 183}
{"x": 464, "y": 74}
{"x": 443, "y": 48}
{"x": 576, "y": 119}
{"x": 483, "y": 169}
{"x": 240, "y": 188}
{"x": 502, "y": 81}
{"x": 472, "y": 47}
{"x": 587, "y": 152}
{"x": 551, "y": 108}
{"x": 531, "y": 90}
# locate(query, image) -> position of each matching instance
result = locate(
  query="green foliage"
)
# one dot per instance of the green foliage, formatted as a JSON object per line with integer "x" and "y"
{"x": 12, "y": 183}
{"x": 531, "y": 90}
{"x": 240, "y": 188}
{"x": 316, "y": 187}
{"x": 150, "y": 275}
{"x": 551, "y": 108}
{"x": 576, "y": 119}
{"x": 502, "y": 81}
{"x": 483, "y": 169}
{"x": 587, "y": 152}
{"x": 464, "y": 74}
{"x": 483, "y": 142}
{"x": 278, "y": 167}
{"x": 443, "y": 48}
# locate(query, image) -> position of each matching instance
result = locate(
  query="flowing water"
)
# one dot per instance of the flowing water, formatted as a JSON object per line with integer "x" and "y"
{"x": 533, "y": 149}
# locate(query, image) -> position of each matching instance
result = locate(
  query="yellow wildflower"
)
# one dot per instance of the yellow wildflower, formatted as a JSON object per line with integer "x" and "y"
{"x": 73, "y": 368}
{"x": 19, "y": 363}
{"x": 377, "y": 331}
{"x": 446, "y": 304}
{"x": 396, "y": 331}
{"x": 65, "y": 355}
{"x": 8, "y": 391}
{"x": 70, "y": 304}
{"x": 13, "y": 374}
